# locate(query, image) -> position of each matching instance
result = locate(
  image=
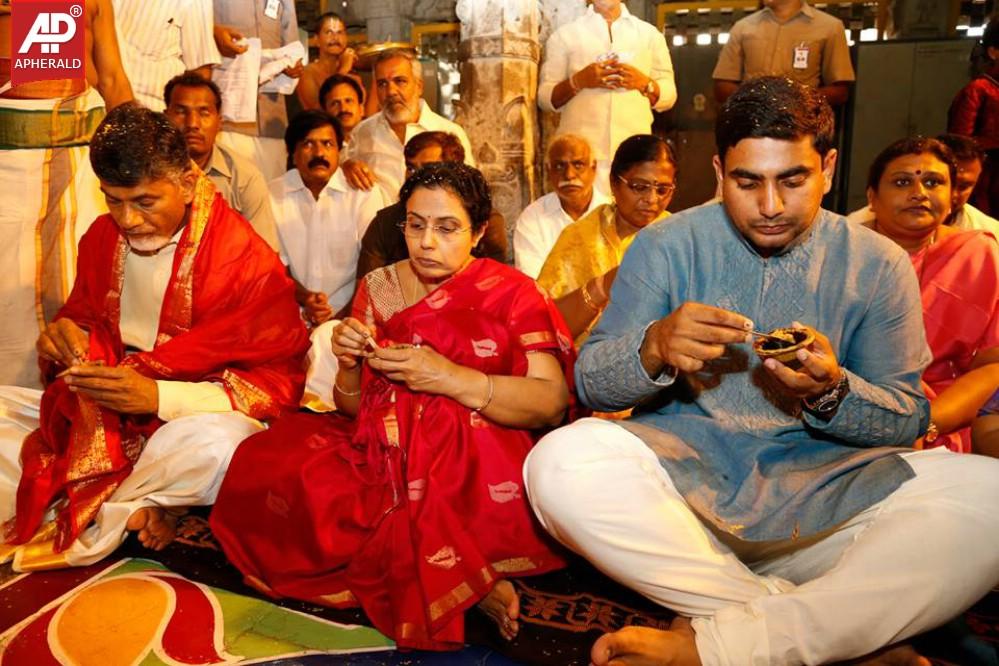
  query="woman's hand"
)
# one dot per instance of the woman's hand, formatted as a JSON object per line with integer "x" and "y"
{"x": 421, "y": 369}
{"x": 349, "y": 342}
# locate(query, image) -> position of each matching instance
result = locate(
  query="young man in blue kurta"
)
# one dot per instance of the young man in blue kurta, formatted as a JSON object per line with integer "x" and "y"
{"x": 783, "y": 509}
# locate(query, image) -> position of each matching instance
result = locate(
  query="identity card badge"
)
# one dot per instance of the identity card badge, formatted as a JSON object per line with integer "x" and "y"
{"x": 801, "y": 56}
{"x": 271, "y": 10}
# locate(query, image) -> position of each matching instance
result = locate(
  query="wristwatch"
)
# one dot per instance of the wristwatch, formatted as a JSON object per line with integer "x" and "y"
{"x": 650, "y": 88}
{"x": 824, "y": 406}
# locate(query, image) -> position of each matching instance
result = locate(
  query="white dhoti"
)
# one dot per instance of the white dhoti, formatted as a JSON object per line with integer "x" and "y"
{"x": 268, "y": 154}
{"x": 181, "y": 465}
{"x": 50, "y": 198}
{"x": 905, "y": 565}
{"x": 321, "y": 367}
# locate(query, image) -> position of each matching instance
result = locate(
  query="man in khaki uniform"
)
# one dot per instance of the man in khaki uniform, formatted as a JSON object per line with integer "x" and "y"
{"x": 787, "y": 38}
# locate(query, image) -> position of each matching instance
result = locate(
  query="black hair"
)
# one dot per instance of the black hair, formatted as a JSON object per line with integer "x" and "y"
{"x": 965, "y": 148}
{"x": 912, "y": 145}
{"x": 133, "y": 144}
{"x": 638, "y": 149}
{"x": 450, "y": 145}
{"x": 775, "y": 107}
{"x": 192, "y": 80}
{"x": 328, "y": 16}
{"x": 303, "y": 123}
{"x": 990, "y": 38}
{"x": 461, "y": 180}
{"x": 335, "y": 80}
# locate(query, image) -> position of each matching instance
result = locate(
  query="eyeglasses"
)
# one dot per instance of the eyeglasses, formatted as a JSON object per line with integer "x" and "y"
{"x": 416, "y": 229}
{"x": 641, "y": 188}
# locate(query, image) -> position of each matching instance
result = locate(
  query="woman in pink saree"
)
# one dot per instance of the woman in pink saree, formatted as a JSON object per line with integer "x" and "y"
{"x": 410, "y": 501}
{"x": 910, "y": 190}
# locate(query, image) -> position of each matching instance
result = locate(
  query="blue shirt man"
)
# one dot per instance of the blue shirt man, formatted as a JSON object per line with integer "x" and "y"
{"x": 739, "y": 490}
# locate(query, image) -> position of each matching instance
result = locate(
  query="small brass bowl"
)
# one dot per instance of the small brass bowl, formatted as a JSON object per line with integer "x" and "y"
{"x": 796, "y": 338}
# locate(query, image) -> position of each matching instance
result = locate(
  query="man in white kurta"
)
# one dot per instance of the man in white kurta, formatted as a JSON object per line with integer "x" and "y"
{"x": 320, "y": 218}
{"x": 375, "y": 155}
{"x": 571, "y": 171}
{"x": 605, "y": 73}
{"x": 207, "y": 342}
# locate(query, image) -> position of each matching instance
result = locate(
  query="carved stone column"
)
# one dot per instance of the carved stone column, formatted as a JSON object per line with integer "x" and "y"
{"x": 499, "y": 56}
{"x": 386, "y": 20}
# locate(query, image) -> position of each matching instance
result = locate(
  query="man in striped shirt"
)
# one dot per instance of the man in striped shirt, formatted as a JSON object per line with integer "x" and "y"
{"x": 159, "y": 39}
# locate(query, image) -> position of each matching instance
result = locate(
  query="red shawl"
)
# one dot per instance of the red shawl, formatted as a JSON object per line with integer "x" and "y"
{"x": 229, "y": 316}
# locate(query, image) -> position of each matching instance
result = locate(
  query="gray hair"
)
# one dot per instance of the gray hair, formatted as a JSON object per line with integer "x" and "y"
{"x": 566, "y": 139}
{"x": 405, "y": 54}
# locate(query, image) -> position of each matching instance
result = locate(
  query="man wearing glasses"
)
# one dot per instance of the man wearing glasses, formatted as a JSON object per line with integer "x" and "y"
{"x": 581, "y": 267}
{"x": 571, "y": 172}
{"x": 320, "y": 219}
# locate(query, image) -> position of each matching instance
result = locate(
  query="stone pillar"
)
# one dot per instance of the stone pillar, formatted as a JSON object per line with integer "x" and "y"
{"x": 499, "y": 56}
{"x": 386, "y": 20}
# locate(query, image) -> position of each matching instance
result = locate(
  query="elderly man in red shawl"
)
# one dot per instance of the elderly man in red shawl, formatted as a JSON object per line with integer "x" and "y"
{"x": 181, "y": 334}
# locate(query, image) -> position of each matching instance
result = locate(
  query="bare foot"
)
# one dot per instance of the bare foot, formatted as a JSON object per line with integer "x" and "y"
{"x": 642, "y": 646}
{"x": 895, "y": 655}
{"x": 156, "y": 526}
{"x": 502, "y": 605}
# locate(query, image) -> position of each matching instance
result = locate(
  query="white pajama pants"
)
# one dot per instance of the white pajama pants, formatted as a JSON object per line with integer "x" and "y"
{"x": 905, "y": 565}
{"x": 182, "y": 465}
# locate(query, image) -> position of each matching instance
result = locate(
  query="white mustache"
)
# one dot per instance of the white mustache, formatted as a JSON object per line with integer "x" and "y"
{"x": 567, "y": 183}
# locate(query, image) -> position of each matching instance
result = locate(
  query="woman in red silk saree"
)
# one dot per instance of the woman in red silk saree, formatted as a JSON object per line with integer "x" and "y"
{"x": 416, "y": 508}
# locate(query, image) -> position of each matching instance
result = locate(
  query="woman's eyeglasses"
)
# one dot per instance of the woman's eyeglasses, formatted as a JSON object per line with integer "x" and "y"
{"x": 416, "y": 229}
{"x": 641, "y": 188}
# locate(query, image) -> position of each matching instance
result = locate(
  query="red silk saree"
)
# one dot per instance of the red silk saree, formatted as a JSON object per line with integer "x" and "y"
{"x": 417, "y": 507}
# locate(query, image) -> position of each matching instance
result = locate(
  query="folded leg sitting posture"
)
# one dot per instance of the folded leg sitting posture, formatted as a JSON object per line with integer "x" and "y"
{"x": 775, "y": 500}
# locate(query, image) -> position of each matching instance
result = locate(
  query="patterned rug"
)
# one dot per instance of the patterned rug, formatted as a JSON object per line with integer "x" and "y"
{"x": 224, "y": 621}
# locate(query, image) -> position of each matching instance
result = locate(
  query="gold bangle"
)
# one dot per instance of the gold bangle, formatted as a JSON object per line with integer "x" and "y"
{"x": 337, "y": 387}
{"x": 572, "y": 84}
{"x": 489, "y": 398}
{"x": 588, "y": 300}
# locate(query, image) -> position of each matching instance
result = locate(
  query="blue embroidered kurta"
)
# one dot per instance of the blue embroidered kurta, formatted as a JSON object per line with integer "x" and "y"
{"x": 742, "y": 453}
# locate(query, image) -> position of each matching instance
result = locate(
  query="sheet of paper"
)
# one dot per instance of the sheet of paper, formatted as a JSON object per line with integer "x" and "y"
{"x": 237, "y": 78}
{"x": 274, "y": 61}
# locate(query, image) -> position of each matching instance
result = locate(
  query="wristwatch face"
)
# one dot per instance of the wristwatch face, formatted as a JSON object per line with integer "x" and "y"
{"x": 828, "y": 404}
